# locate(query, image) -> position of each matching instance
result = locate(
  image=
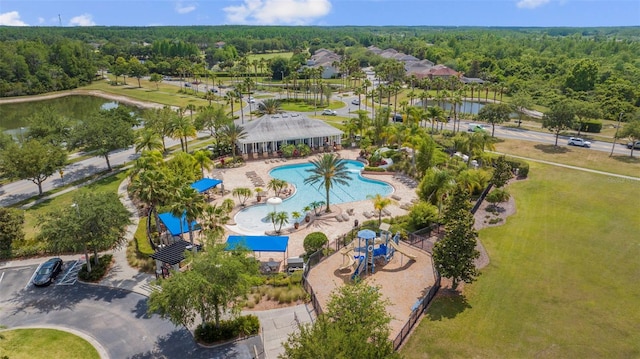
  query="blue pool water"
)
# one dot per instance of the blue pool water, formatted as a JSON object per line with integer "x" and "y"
{"x": 252, "y": 220}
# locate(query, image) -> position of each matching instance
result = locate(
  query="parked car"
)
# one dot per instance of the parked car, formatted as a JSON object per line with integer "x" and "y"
{"x": 636, "y": 145}
{"x": 213, "y": 90}
{"x": 576, "y": 141}
{"x": 475, "y": 127}
{"x": 355, "y": 102}
{"x": 397, "y": 117}
{"x": 47, "y": 272}
{"x": 328, "y": 112}
{"x": 251, "y": 100}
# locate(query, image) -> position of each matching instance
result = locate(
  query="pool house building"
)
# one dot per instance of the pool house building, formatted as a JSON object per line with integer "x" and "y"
{"x": 267, "y": 134}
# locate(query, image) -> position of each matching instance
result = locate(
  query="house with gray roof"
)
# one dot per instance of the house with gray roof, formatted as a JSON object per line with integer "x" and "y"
{"x": 268, "y": 133}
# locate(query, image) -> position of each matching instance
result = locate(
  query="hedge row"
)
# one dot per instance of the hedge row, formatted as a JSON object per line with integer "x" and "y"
{"x": 208, "y": 333}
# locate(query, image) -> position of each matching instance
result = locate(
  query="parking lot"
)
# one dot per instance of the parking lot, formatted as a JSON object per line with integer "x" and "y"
{"x": 19, "y": 279}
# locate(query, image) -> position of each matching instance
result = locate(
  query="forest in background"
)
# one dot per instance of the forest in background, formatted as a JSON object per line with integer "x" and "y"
{"x": 590, "y": 65}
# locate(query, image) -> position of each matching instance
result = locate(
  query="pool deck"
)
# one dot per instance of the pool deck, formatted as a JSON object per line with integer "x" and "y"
{"x": 328, "y": 224}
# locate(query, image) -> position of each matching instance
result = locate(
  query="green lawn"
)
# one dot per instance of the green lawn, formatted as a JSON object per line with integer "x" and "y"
{"x": 108, "y": 184}
{"x": 45, "y": 343}
{"x": 268, "y": 56}
{"x": 562, "y": 282}
{"x": 574, "y": 156}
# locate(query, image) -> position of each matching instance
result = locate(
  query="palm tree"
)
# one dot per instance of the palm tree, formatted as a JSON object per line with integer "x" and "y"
{"x": 149, "y": 140}
{"x": 243, "y": 194}
{"x": 379, "y": 204}
{"x": 435, "y": 186}
{"x": 190, "y": 203}
{"x": 435, "y": 113}
{"x": 234, "y": 133}
{"x": 327, "y": 170}
{"x": 203, "y": 160}
{"x": 277, "y": 185}
{"x": 150, "y": 186}
{"x": 215, "y": 217}
{"x": 279, "y": 219}
{"x": 269, "y": 106}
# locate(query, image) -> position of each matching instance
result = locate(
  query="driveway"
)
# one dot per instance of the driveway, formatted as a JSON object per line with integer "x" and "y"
{"x": 115, "y": 318}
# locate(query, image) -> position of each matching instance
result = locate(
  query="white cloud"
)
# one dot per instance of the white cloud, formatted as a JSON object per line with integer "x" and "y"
{"x": 277, "y": 12}
{"x": 11, "y": 18}
{"x": 41, "y": 20}
{"x": 82, "y": 20}
{"x": 531, "y": 4}
{"x": 184, "y": 9}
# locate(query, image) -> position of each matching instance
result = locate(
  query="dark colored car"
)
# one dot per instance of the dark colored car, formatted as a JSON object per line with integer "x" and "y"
{"x": 397, "y": 117}
{"x": 47, "y": 272}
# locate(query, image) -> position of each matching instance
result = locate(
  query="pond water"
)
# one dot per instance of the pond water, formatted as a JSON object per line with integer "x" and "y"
{"x": 14, "y": 116}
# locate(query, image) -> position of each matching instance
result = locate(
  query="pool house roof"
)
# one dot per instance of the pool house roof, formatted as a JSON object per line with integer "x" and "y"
{"x": 286, "y": 127}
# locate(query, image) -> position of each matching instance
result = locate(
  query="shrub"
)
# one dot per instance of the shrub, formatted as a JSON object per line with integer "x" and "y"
{"x": 374, "y": 169}
{"x": 97, "y": 271}
{"x": 592, "y": 126}
{"x": 314, "y": 241}
{"x": 521, "y": 168}
{"x": 138, "y": 260}
{"x": 208, "y": 333}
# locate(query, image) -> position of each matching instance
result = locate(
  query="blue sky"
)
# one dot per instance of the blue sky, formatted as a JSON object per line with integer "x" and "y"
{"x": 543, "y": 13}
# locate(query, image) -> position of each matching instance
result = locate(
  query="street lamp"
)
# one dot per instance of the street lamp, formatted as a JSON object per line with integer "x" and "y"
{"x": 616, "y": 134}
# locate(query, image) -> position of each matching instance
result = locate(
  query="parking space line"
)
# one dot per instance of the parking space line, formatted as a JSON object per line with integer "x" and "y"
{"x": 1, "y": 277}
{"x": 32, "y": 276}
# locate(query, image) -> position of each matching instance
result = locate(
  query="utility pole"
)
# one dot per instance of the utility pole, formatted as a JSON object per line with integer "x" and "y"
{"x": 616, "y": 135}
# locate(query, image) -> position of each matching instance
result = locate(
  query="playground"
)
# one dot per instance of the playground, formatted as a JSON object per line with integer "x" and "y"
{"x": 403, "y": 273}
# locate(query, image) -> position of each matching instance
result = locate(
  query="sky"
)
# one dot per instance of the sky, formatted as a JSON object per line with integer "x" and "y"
{"x": 525, "y": 13}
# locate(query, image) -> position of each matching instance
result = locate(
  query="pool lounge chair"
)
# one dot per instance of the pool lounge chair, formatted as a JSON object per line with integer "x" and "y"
{"x": 367, "y": 214}
{"x": 345, "y": 217}
{"x": 339, "y": 218}
{"x": 386, "y": 212}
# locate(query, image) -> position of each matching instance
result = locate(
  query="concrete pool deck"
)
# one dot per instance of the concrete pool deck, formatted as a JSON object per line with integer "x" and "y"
{"x": 328, "y": 224}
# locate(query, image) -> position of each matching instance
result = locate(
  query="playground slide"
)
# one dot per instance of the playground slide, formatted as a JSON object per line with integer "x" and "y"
{"x": 398, "y": 249}
{"x": 352, "y": 261}
{"x": 361, "y": 264}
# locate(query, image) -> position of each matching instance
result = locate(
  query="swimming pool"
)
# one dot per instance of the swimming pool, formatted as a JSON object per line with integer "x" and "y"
{"x": 253, "y": 220}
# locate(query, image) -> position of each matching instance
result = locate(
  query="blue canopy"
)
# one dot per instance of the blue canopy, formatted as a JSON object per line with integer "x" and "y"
{"x": 173, "y": 223}
{"x": 366, "y": 234}
{"x": 259, "y": 243}
{"x": 205, "y": 184}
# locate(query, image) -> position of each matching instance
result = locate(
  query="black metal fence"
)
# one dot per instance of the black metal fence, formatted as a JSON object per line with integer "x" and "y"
{"x": 418, "y": 310}
{"x": 483, "y": 195}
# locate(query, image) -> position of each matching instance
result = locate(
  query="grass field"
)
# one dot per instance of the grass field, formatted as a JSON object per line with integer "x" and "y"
{"x": 31, "y": 215}
{"x": 574, "y": 156}
{"x": 45, "y": 343}
{"x": 268, "y": 56}
{"x": 562, "y": 282}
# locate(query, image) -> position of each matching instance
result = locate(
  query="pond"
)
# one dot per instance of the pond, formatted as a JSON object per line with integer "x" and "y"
{"x": 13, "y": 117}
{"x": 465, "y": 107}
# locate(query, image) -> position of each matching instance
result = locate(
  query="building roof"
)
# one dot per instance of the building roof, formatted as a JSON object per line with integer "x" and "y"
{"x": 259, "y": 243}
{"x": 288, "y": 126}
{"x": 173, "y": 253}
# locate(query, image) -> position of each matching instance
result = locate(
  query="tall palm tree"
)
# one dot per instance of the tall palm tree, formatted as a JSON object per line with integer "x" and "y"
{"x": 327, "y": 170}
{"x": 183, "y": 128}
{"x": 190, "y": 203}
{"x": 149, "y": 140}
{"x": 435, "y": 113}
{"x": 379, "y": 204}
{"x": 203, "y": 160}
{"x": 150, "y": 186}
{"x": 233, "y": 133}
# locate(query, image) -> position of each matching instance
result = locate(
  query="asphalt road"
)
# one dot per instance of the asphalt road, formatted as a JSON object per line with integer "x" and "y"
{"x": 116, "y": 319}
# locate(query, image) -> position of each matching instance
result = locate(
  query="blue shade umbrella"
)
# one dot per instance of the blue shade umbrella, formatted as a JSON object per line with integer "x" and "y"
{"x": 366, "y": 234}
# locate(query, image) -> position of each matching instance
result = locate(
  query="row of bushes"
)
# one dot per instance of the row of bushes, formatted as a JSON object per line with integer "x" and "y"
{"x": 97, "y": 271}
{"x": 519, "y": 167}
{"x": 209, "y": 333}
